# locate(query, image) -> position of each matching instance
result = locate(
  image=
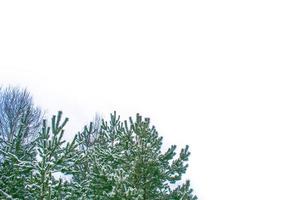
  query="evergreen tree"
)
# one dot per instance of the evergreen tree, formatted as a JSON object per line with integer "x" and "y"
{"x": 82, "y": 171}
{"x": 53, "y": 157}
{"x": 16, "y": 167}
{"x": 125, "y": 162}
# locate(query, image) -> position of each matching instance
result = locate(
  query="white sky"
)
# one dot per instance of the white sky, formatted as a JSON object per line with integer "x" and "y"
{"x": 221, "y": 76}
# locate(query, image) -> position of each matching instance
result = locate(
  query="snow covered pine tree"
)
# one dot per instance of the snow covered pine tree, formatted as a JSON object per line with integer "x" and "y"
{"x": 16, "y": 165}
{"x": 53, "y": 157}
{"x": 27, "y": 172}
{"x": 124, "y": 161}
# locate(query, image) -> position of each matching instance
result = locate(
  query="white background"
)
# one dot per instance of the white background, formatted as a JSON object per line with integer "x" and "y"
{"x": 221, "y": 76}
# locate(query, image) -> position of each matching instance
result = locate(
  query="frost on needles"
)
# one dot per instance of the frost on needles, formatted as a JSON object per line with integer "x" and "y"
{"x": 107, "y": 160}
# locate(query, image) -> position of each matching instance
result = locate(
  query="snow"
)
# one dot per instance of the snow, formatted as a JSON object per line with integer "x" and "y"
{"x": 64, "y": 177}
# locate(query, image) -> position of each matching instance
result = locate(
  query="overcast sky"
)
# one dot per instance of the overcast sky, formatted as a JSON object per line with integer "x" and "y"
{"x": 221, "y": 76}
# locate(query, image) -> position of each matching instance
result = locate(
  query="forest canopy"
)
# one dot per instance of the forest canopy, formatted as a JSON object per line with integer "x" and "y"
{"x": 108, "y": 159}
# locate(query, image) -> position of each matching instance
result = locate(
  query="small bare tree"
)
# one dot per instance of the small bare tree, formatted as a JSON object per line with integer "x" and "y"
{"x": 16, "y": 109}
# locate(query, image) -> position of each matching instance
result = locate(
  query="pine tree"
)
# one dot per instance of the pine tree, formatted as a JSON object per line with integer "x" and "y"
{"x": 16, "y": 165}
{"x": 82, "y": 170}
{"x": 53, "y": 157}
{"x": 125, "y": 162}
{"x": 154, "y": 173}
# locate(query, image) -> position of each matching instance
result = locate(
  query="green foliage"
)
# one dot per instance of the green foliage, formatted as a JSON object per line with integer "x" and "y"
{"x": 16, "y": 165}
{"x": 52, "y": 157}
{"x": 112, "y": 159}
